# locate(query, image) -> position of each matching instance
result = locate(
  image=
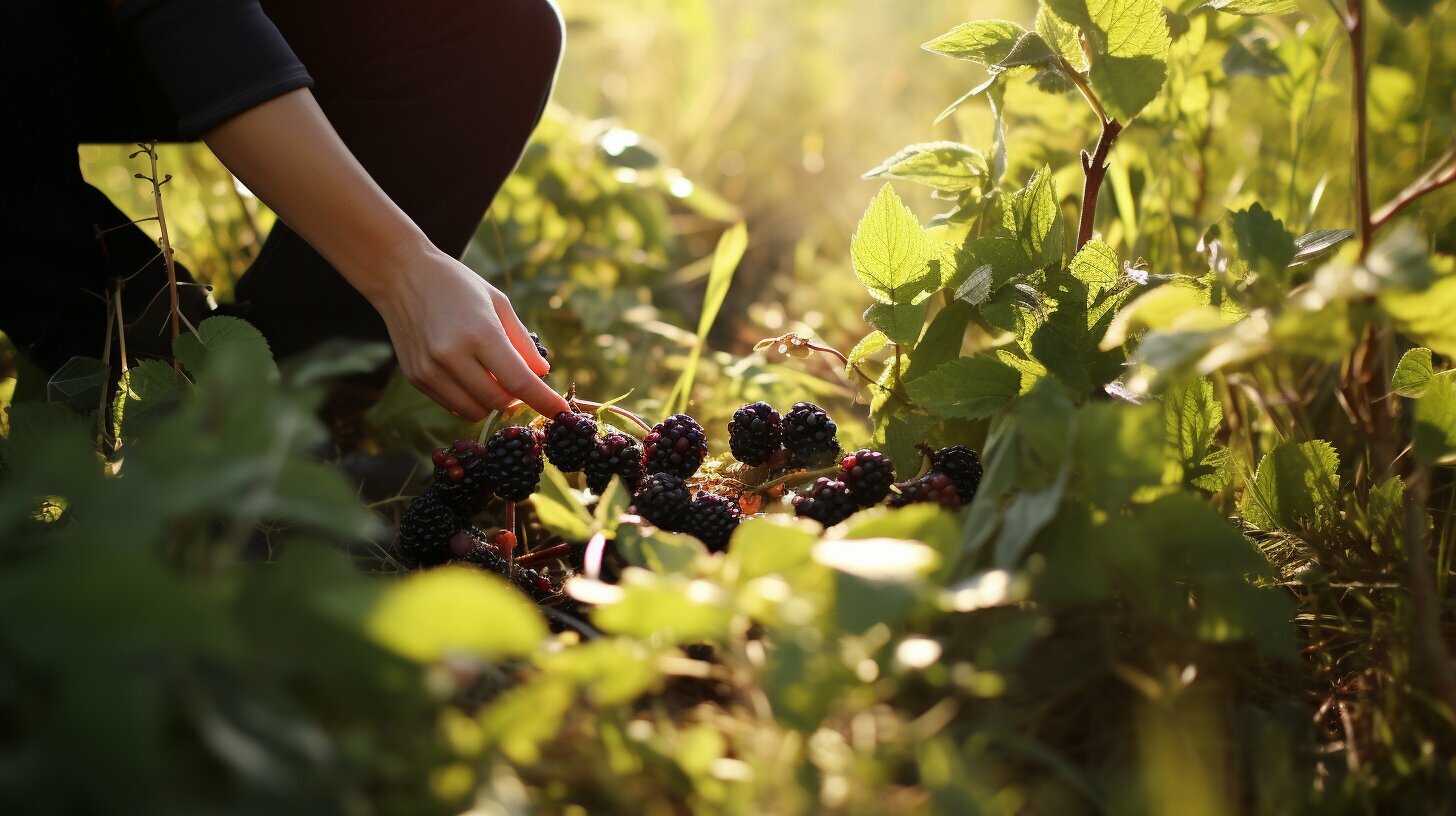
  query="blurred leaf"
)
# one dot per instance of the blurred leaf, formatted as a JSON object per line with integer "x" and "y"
{"x": 1408, "y": 10}
{"x": 558, "y": 508}
{"x": 1425, "y": 316}
{"x": 611, "y": 671}
{"x": 1413, "y": 373}
{"x": 666, "y": 609}
{"x": 1313, "y": 245}
{"x": 890, "y": 250}
{"x": 731, "y": 247}
{"x": 967, "y": 387}
{"x": 1252, "y": 55}
{"x": 763, "y": 545}
{"x": 335, "y": 357}
{"x": 432, "y": 614}
{"x": 1253, "y": 8}
{"x": 528, "y": 715}
{"x": 1114, "y": 457}
{"x": 1434, "y": 420}
{"x": 216, "y": 334}
{"x": 1263, "y": 241}
{"x": 948, "y": 166}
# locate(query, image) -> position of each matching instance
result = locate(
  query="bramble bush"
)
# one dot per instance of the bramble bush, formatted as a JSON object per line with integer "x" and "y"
{"x": 1207, "y": 568}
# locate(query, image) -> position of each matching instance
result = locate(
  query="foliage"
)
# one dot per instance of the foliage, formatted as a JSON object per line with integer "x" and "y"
{"x": 1208, "y": 568}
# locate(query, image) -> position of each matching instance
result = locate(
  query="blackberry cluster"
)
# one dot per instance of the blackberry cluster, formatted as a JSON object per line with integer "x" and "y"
{"x": 513, "y": 461}
{"x": 933, "y": 487}
{"x": 663, "y": 501}
{"x": 540, "y": 348}
{"x": 962, "y": 465}
{"x": 676, "y": 445}
{"x": 615, "y": 454}
{"x": 754, "y": 433}
{"x": 827, "y": 501}
{"x": 809, "y": 435}
{"x": 712, "y": 519}
{"x": 868, "y": 475}
{"x": 570, "y": 439}
{"x": 425, "y": 530}
{"x": 480, "y": 553}
{"x": 461, "y": 478}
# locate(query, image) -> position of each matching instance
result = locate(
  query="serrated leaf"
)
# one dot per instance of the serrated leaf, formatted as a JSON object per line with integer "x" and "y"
{"x": 1413, "y": 373}
{"x": 143, "y": 391}
{"x": 941, "y": 341}
{"x": 1033, "y": 216}
{"x": 967, "y": 387}
{"x": 1004, "y": 255}
{"x": 1253, "y": 8}
{"x": 1095, "y": 264}
{"x": 1296, "y": 487}
{"x": 948, "y": 166}
{"x": 1263, "y": 241}
{"x": 977, "y": 287}
{"x": 1318, "y": 243}
{"x": 1129, "y": 41}
{"x": 1061, "y": 37}
{"x": 900, "y": 322}
{"x": 869, "y": 344}
{"x": 1433, "y": 428}
{"x": 890, "y": 251}
{"x": 984, "y": 42}
{"x": 245, "y": 345}
{"x": 78, "y": 383}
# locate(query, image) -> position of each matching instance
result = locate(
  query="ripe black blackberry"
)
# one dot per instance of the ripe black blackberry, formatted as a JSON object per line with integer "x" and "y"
{"x": 570, "y": 439}
{"x": 933, "y": 487}
{"x": 712, "y": 519}
{"x": 754, "y": 433}
{"x": 513, "y": 462}
{"x": 615, "y": 454}
{"x": 868, "y": 475}
{"x": 962, "y": 465}
{"x": 460, "y": 477}
{"x": 677, "y": 445}
{"x": 540, "y": 348}
{"x": 809, "y": 435}
{"x": 827, "y": 501}
{"x": 663, "y": 500}
{"x": 425, "y": 530}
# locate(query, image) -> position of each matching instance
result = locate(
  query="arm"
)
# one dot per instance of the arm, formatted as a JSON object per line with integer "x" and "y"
{"x": 457, "y": 337}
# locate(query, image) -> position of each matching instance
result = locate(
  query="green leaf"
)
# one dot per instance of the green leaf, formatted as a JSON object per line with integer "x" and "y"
{"x": 1425, "y": 315}
{"x": 558, "y": 509}
{"x": 429, "y": 615}
{"x": 967, "y": 387}
{"x": 1263, "y": 241}
{"x": 1033, "y": 216}
{"x": 1129, "y": 41}
{"x": 947, "y": 166}
{"x": 1114, "y": 457}
{"x": 1004, "y": 255}
{"x": 666, "y": 608}
{"x": 1434, "y": 422}
{"x": 768, "y": 545}
{"x": 1413, "y": 373}
{"x": 1061, "y": 37}
{"x": 900, "y": 322}
{"x": 145, "y": 390}
{"x": 1253, "y": 8}
{"x": 1317, "y": 244}
{"x": 335, "y": 357}
{"x": 729, "y": 252}
{"x": 1194, "y": 416}
{"x": 1252, "y": 55}
{"x": 997, "y": 44}
{"x": 78, "y": 383}
{"x": 219, "y": 333}
{"x": 527, "y": 715}
{"x": 1067, "y": 343}
{"x": 1296, "y": 486}
{"x": 1095, "y": 264}
{"x": 942, "y": 340}
{"x": 869, "y": 344}
{"x": 890, "y": 251}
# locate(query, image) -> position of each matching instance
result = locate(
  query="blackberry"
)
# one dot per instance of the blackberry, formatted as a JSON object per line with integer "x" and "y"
{"x": 754, "y": 433}
{"x": 663, "y": 500}
{"x": 962, "y": 465}
{"x": 570, "y": 439}
{"x": 932, "y": 487}
{"x": 827, "y": 501}
{"x": 712, "y": 519}
{"x": 536, "y": 584}
{"x": 868, "y": 475}
{"x": 513, "y": 462}
{"x": 540, "y": 348}
{"x": 425, "y": 530}
{"x": 676, "y": 445}
{"x": 809, "y": 435}
{"x": 615, "y": 454}
{"x": 460, "y": 477}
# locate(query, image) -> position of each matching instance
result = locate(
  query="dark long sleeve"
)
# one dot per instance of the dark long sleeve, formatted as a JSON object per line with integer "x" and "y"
{"x": 213, "y": 58}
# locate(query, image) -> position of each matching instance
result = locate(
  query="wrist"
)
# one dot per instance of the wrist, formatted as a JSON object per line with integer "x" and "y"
{"x": 386, "y": 272}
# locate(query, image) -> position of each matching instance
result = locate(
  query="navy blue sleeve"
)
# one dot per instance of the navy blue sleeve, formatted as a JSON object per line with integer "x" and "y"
{"x": 213, "y": 58}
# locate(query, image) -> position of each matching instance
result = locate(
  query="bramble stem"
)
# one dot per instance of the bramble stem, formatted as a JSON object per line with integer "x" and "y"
{"x": 621, "y": 412}
{"x": 796, "y": 476}
{"x": 1355, "y": 27}
{"x": 1438, "y": 175}
{"x": 150, "y": 149}
{"x": 542, "y": 555}
{"x": 1094, "y": 167}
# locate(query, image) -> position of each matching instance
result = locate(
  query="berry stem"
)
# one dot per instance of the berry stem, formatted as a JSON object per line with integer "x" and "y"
{"x": 487, "y": 425}
{"x": 510, "y": 524}
{"x": 544, "y": 554}
{"x": 796, "y": 477}
{"x": 621, "y": 412}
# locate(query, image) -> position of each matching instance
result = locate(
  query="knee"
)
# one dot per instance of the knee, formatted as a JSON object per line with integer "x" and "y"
{"x": 537, "y": 35}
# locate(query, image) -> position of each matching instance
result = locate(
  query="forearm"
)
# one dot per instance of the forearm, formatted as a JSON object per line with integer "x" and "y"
{"x": 287, "y": 153}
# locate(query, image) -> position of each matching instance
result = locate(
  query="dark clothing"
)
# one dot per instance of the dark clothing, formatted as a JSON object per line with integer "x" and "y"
{"x": 436, "y": 98}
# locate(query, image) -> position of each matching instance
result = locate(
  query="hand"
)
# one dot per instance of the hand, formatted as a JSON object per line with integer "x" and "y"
{"x": 458, "y": 339}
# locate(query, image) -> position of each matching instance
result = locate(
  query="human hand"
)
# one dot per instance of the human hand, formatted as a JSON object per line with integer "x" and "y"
{"x": 458, "y": 339}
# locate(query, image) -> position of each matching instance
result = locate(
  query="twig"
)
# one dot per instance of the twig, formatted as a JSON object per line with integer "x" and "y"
{"x": 544, "y": 555}
{"x": 621, "y": 412}
{"x": 1438, "y": 175}
{"x": 796, "y": 476}
{"x": 120, "y": 325}
{"x": 1094, "y": 166}
{"x": 150, "y": 149}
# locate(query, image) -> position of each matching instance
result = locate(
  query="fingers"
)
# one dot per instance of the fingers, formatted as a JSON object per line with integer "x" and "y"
{"x": 519, "y": 336}
{"x": 518, "y": 379}
{"x": 478, "y": 383}
{"x": 450, "y": 397}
